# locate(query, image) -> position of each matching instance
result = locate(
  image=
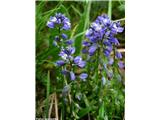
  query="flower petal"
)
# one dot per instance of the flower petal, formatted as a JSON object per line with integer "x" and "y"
{"x": 83, "y": 76}
{"x": 72, "y": 76}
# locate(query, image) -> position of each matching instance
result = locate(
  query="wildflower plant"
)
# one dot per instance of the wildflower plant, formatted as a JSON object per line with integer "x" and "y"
{"x": 89, "y": 84}
{"x": 101, "y": 48}
{"x": 68, "y": 62}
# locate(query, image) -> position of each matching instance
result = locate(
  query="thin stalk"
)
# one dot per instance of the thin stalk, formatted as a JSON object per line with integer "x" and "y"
{"x": 69, "y": 96}
{"x": 114, "y": 56}
{"x": 110, "y": 9}
{"x": 122, "y": 19}
{"x": 97, "y": 66}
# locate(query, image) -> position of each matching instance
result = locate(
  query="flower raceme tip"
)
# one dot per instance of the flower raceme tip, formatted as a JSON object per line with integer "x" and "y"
{"x": 61, "y": 20}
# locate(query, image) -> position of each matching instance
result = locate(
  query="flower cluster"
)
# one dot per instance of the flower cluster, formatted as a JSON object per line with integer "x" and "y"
{"x": 101, "y": 36}
{"x": 69, "y": 60}
{"x": 60, "y": 20}
{"x": 63, "y": 23}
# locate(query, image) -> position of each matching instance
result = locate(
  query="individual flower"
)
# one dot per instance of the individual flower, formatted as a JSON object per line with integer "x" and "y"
{"x": 50, "y": 24}
{"x": 60, "y": 62}
{"x": 106, "y": 53}
{"x": 118, "y": 55}
{"x": 69, "y": 42}
{"x": 114, "y": 40}
{"x": 72, "y": 76}
{"x": 83, "y": 76}
{"x": 64, "y": 36}
{"x": 64, "y": 72}
{"x": 117, "y": 27}
{"x": 81, "y": 64}
{"x": 86, "y": 43}
{"x": 92, "y": 49}
{"x": 84, "y": 51}
{"x": 120, "y": 64}
{"x": 77, "y": 59}
{"x": 66, "y": 54}
{"x": 57, "y": 38}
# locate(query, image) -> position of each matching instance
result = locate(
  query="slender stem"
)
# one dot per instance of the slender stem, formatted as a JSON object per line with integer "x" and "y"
{"x": 97, "y": 65}
{"x": 110, "y": 9}
{"x": 122, "y": 19}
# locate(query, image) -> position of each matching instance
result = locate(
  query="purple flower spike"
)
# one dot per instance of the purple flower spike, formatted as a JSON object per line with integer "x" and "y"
{"x": 60, "y": 62}
{"x": 83, "y": 76}
{"x": 72, "y": 76}
{"x": 92, "y": 50}
{"x": 61, "y": 20}
{"x": 118, "y": 55}
{"x": 81, "y": 64}
{"x": 77, "y": 59}
{"x": 64, "y": 36}
{"x": 120, "y": 64}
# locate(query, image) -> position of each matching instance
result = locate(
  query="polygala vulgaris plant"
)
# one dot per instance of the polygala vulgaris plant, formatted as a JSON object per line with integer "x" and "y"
{"x": 86, "y": 79}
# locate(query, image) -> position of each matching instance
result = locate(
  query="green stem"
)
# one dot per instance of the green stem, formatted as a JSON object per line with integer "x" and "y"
{"x": 110, "y": 9}
{"x": 122, "y": 19}
{"x": 97, "y": 66}
{"x": 114, "y": 56}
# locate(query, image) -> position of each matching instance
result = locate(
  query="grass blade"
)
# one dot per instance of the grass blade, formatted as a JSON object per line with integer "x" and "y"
{"x": 110, "y": 9}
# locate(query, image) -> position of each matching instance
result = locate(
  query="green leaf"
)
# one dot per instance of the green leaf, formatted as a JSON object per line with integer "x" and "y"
{"x": 84, "y": 111}
{"x": 101, "y": 111}
{"x": 81, "y": 28}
